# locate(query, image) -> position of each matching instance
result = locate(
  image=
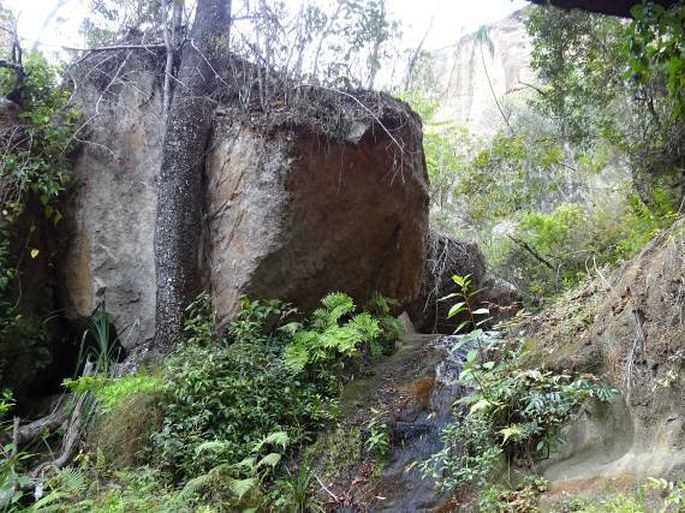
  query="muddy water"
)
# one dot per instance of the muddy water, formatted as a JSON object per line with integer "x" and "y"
{"x": 416, "y": 434}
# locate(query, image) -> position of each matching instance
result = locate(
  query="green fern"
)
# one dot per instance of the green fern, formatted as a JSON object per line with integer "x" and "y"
{"x": 240, "y": 487}
{"x": 197, "y": 485}
{"x": 271, "y": 460}
{"x": 327, "y": 339}
{"x": 277, "y": 438}
{"x": 211, "y": 446}
{"x": 67, "y": 483}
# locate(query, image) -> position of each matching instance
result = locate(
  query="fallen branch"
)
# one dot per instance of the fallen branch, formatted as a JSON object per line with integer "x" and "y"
{"x": 325, "y": 489}
{"x": 530, "y": 250}
{"x": 33, "y": 430}
{"x": 79, "y": 418}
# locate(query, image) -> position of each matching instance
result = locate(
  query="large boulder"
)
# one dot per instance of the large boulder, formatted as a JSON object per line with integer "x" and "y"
{"x": 328, "y": 194}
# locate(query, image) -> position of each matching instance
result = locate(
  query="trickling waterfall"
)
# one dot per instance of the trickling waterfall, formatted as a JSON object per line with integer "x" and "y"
{"x": 417, "y": 432}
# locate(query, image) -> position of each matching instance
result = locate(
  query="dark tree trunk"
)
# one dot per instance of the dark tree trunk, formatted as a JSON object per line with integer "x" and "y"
{"x": 611, "y": 7}
{"x": 188, "y": 127}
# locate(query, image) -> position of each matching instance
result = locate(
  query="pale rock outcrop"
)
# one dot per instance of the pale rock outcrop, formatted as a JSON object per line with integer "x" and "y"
{"x": 636, "y": 343}
{"x": 466, "y": 71}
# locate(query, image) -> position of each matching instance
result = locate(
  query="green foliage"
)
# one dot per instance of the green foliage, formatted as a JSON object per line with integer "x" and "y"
{"x": 295, "y": 493}
{"x": 233, "y": 390}
{"x": 391, "y": 328}
{"x": 64, "y": 484}
{"x": 465, "y": 297}
{"x": 378, "y": 440}
{"x": 6, "y": 402}
{"x": 656, "y": 47}
{"x": 243, "y": 480}
{"x": 546, "y": 253}
{"x": 512, "y": 414}
{"x": 33, "y": 167}
{"x": 582, "y": 59}
{"x": 224, "y": 395}
{"x": 105, "y": 350}
{"x": 37, "y": 163}
{"x": 111, "y": 392}
{"x": 12, "y": 477}
{"x": 127, "y": 490}
{"x": 579, "y": 58}
{"x": 321, "y": 346}
{"x": 257, "y": 317}
{"x": 522, "y": 497}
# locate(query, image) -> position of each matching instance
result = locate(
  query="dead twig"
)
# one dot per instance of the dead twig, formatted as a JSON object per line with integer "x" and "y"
{"x": 325, "y": 489}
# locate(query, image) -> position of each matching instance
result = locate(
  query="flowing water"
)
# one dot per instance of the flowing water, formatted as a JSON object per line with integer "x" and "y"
{"x": 416, "y": 434}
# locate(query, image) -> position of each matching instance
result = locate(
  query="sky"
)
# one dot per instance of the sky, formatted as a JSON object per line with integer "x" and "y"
{"x": 447, "y": 19}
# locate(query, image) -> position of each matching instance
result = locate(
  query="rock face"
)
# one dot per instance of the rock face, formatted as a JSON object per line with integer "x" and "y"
{"x": 294, "y": 209}
{"x": 294, "y": 216}
{"x": 637, "y": 342}
{"x": 469, "y": 72}
{"x": 445, "y": 258}
{"x": 108, "y": 233}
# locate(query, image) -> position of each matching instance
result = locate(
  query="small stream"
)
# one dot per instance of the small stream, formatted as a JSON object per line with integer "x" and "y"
{"x": 417, "y": 432}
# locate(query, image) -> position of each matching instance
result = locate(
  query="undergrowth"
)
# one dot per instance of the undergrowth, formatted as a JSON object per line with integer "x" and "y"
{"x": 511, "y": 418}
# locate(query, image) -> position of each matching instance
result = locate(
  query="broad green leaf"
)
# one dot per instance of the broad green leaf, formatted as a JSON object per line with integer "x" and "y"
{"x": 510, "y": 431}
{"x": 482, "y": 404}
{"x": 456, "y": 308}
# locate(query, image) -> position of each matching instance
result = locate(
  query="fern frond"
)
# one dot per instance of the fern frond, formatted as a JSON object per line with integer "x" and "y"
{"x": 272, "y": 459}
{"x": 366, "y": 325}
{"x": 247, "y": 464}
{"x": 276, "y": 438}
{"x": 292, "y": 328}
{"x": 239, "y": 487}
{"x": 197, "y": 484}
{"x": 72, "y": 480}
{"x": 295, "y": 358}
{"x": 337, "y": 304}
{"x": 212, "y": 445}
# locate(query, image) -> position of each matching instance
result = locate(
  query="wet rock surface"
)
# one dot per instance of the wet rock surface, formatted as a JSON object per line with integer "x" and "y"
{"x": 415, "y": 389}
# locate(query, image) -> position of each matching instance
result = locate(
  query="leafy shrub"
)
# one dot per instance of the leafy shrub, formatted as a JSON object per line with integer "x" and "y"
{"x": 261, "y": 377}
{"x": 234, "y": 390}
{"x": 243, "y": 481}
{"x": 547, "y": 253}
{"x": 513, "y": 414}
{"x": 33, "y": 168}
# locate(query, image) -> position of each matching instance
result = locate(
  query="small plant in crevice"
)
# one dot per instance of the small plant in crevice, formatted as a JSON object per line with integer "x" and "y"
{"x": 378, "y": 438}
{"x": 106, "y": 350}
{"x": 466, "y": 297}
